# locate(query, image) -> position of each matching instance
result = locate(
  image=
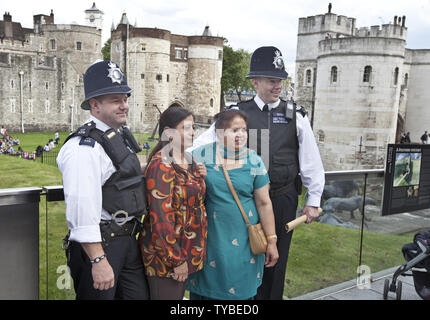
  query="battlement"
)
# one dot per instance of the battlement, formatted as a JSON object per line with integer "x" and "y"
{"x": 363, "y": 46}
{"x": 328, "y": 22}
{"x": 385, "y": 31}
{"x": 70, "y": 27}
{"x": 120, "y": 33}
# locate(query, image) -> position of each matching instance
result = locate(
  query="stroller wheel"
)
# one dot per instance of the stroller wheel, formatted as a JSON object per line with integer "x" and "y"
{"x": 399, "y": 290}
{"x": 386, "y": 288}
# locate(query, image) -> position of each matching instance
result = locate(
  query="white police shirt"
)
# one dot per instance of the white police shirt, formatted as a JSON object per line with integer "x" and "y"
{"x": 311, "y": 167}
{"x": 85, "y": 169}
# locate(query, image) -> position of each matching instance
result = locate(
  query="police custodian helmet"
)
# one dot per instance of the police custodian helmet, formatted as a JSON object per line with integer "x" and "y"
{"x": 103, "y": 77}
{"x": 267, "y": 62}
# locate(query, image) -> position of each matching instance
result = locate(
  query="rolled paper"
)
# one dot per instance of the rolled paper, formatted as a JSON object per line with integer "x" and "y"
{"x": 296, "y": 222}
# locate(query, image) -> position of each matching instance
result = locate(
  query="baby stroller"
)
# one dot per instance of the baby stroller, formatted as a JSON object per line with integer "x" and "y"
{"x": 417, "y": 256}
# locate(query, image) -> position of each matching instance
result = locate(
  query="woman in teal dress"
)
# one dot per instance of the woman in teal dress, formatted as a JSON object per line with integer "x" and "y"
{"x": 231, "y": 270}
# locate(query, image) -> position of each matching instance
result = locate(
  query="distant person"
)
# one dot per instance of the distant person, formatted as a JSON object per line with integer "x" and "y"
{"x": 146, "y": 147}
{"x": 56, "y": 137}
{"x": 3, "y": 131}
{"x": 10, "y": 150}
{"x": 424, "y": 138}
{"x": 407, "y": 138}
{"x": 46, "y": 148}
{"x": 39, "y": 151}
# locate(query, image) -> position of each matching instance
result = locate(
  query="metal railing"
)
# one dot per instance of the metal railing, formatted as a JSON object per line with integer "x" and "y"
{"x": 48, "y": 157}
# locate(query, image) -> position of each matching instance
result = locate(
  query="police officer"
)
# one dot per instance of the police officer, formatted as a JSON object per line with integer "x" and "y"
{"x": 104, "y": 193}
{"x": 281, "y": 134}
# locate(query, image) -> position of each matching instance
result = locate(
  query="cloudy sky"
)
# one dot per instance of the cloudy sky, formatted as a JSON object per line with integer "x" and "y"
{"x": 246, "y": 24}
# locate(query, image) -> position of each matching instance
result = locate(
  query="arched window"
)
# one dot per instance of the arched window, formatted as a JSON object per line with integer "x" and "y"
{"x": 308, "y": 76}
{"x": 405, "y": 82}
{"x": 396, "y": 76}
{"x": 333, "y": 76}
{"x": 367, "y": 73}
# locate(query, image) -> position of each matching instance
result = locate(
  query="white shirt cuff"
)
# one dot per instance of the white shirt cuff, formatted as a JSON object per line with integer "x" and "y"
{"x": 313, "y": 201}
{"x": 89, "y": 234}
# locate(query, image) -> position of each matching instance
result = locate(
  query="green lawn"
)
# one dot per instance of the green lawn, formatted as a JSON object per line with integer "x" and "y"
{"x": 320, "y": 255}
{"x": 29, "y": 141}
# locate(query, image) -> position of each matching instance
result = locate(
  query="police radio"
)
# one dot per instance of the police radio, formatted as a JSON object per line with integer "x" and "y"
{"x": 289, "y": 110}
{"x": 130, "y": 139}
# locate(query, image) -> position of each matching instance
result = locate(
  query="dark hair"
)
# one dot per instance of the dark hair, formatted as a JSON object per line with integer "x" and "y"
{"x": 171, "y": 117}
{"x": 224, "y": 119}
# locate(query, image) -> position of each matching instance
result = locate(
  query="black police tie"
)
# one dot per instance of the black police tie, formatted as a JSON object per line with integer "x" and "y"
{"x": 266, "y": 108}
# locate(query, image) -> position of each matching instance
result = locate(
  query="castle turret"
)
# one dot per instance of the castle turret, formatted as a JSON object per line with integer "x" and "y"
{"x": 351, "y": 80}
{"x": 311, "y": 31}
{"x": 204, "y": 74}
{"x": 164, "y": 68}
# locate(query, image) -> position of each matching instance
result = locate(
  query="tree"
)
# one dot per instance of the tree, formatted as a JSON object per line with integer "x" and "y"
{"x": 235, "y": 67}
{"x": 106, "y": 49}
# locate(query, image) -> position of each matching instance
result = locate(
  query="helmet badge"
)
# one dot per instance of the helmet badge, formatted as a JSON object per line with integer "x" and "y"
{"x": 115, "y": 73}
{"x": 278, "y": 60}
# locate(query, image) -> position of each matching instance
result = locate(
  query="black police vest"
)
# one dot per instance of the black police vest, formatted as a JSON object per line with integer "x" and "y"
{"x": 281, "y": 137}
{"x": 125, "y": 188}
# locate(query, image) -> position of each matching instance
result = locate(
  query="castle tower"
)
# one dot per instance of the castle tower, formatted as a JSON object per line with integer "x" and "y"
{"x": 94, "y": 17}
{"x": 311, "y": 31}
{"x": 204, "y": 73}
{"x": 144, "y": 55}
{"x": 41, "y": 73}
{"x": 165, "y": 68}
{"x": 354, "y": 81}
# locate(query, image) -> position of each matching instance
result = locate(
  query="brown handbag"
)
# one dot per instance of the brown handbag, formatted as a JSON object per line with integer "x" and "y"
{"x": 257, "y": 238}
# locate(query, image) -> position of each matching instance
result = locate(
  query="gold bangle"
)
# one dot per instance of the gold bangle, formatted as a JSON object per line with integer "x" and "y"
{"x": 272, "y": 236}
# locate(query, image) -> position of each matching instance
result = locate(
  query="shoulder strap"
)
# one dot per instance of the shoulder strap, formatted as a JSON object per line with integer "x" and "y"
{"x": 233, "y": 192}
{"x": 83, "y": 131}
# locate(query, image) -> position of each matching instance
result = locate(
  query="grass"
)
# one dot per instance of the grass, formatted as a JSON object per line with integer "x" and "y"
{"x": 320, "y": 255}
{"x": 29, "y": 141}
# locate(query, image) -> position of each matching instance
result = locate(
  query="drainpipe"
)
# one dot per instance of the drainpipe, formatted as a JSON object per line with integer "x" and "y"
{"x": 71, "y": 109}
{"x": 21, "y": 74}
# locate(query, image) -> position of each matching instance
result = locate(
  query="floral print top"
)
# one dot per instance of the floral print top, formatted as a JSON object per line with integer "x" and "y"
{"x": 175, "y": 228}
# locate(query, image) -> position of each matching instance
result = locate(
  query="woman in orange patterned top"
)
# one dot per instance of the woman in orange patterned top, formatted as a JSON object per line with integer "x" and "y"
{"x": 173, "y": 241}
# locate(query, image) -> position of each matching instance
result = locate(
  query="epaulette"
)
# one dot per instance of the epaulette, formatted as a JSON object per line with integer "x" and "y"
{"x": 236, "y": 106}
{"x": 244, "y": 101}
{"x": 85, "y": 130}
{"x": 301, "y": 110}
{"x": 87, "y": 141}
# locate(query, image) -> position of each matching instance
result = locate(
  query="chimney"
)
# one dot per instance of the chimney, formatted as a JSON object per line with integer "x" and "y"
{"x": 7, "y": 17}
{"x": 8, "y": 30}
{"x": 50, "y": 19}
{"x": 403, "y": 21}
{"x": 395, "y": 20}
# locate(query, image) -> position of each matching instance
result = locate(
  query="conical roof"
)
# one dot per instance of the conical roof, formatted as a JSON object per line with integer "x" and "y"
{"x": 124, "y": 19}
{"x": 93, "y": 9}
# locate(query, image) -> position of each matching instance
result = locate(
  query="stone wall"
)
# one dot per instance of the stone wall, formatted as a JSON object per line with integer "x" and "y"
{"x": 52, "y": 77}
{"x": 418, "y": 95}
{"x": 354, "y": 120}
{"x": 160, "y": 76}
